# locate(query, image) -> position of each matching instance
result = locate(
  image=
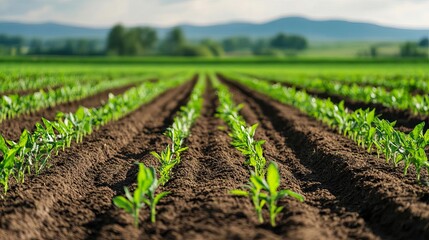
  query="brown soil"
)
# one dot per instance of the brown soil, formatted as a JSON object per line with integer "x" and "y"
{"x": 341, "y": 180}
{"x": 349, "y": 193}
{"x": 65, "y": 201}
{"x": 12, "y": 128}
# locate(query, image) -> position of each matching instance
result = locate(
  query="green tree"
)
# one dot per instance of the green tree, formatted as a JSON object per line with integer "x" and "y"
{"x": 195, "y": 51}
{"x": 214, "y": 47}
{"x": 410, "y": 49}
{"x": 174, "y": 42}
{"x": 288, "y": 42}
{"x": 132, "y": 41}
{"x": 373, "y": 51}
{"x": 116, "y": 40}
{"x": 132, "y": 45}
{"x": 424, "y": 42}
{"x": 233, "y": 44}
{"x": 148, "y": 37}
{"x": 261, "y": 47}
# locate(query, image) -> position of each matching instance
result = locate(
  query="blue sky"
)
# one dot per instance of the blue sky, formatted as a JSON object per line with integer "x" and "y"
{"x": 103, "y": 13}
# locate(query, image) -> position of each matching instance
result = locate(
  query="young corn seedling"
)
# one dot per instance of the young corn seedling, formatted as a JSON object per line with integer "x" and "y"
{"x": 264, "y": 192}
{"x": 179, "y": 131}
{"x": 362, "y": 126}
{"x": 242, "y": 135}
{"x": 253, "y": 191}
{"x": 147, "y": 183}
{"x": 168, "y": 161}
{"x": 32, "y": 152}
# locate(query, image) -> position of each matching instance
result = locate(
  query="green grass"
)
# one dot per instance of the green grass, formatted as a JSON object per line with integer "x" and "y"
{"x": 350, "y": 49}
{"x": 298, "y": 65}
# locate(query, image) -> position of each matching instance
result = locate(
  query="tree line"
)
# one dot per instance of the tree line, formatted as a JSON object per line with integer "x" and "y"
{"x": 16, "y": 45}
{"x": 409, "y": 49}
{"x": 145, "y": 41}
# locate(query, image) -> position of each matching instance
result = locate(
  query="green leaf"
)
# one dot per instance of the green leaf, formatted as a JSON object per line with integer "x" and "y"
{"x": 80, "y": 113}
{"x": 23, "y": 138}
{"x": 138, "y": 195}
{"x": 278, "y": 210}
{"x": 257, "y": 181}
{"x": 273, "y": 177}
{"x": 141, "y": 175}
{"x": 417, "y": 130}
{"x": 3, "y": 145}
{"x": 426, "y": 137}
{"x": 123, "y": 203}
{"x": 293, "y": 194}
{"x": 238, "y": 192}
{"x": 156, "y": 155}
{"x": 181, "y": 149}
{"x": 128, "y": 194}
{"x": 370, "y": 116}
{"x": 159, "y": 196}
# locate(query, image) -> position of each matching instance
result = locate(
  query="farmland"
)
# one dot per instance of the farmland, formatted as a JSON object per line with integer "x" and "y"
{"x": 226, "y": 150}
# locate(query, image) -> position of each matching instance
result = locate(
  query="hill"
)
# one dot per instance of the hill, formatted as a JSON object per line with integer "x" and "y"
{"x": 319, "y": 30}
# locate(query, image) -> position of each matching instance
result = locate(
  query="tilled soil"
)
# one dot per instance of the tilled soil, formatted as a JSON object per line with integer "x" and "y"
{"x": 372, "y": 199}
{"x": 349, "y": 193}
{"x": 12, "y": 128}
{"x": 62, "y": 202}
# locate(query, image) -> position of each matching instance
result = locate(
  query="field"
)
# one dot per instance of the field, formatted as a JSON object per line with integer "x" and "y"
{"x": 334, "y": 150}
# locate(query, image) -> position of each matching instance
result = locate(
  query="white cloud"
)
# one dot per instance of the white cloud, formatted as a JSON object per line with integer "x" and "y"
{"x": 400, "y": 13}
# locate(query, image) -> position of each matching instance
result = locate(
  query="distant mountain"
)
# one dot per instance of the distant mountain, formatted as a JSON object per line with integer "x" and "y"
{"x": 50, "y": 30}
{"x": 329, "y": 30}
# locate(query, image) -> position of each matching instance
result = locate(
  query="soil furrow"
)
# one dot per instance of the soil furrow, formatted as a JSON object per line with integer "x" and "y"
{"x": 199, "y": 206}
{"x": 109, "y": 179}
{"x": 12, "y": 128}
{"x": 320, "y": 216}
{"x": 391, "y": 206}
{"x": 43, "y": 207}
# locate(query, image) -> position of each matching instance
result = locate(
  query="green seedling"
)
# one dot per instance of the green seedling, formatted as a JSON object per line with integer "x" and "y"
{"x": 264, "y": 192}
{"x": 179, "y": 131}
{"x": 362, "y": 126}
{"x": 241, "y": 134}
{"x": 147, "y": 183}
{"x": 33, "y": 150}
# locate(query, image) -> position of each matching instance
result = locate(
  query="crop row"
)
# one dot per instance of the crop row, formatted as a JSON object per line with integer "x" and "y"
{"x": 31, "y": 81}
{"x": 180, "y": 130}
{"x": 262, "y": 188}
{"x": 14, "y": 105}
{"x": 264, "y": 181}
{"x": 397, "y": 98}
{"x": 362, "y": 126}
{"x": 410, "y": 83}
{"x": 33, "y": 150}
{"x": 16, "y": 81}
{"x": 147, "y": 179}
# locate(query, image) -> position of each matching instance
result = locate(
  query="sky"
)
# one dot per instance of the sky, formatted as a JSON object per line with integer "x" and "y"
{"x": 104, "y": 13}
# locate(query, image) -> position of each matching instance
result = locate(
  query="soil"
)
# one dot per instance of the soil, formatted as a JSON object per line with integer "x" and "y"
{"x": 391, "y": 206}
{"x": 65, "y": 201}
{"x": 350, "y": 194}
{"x": 12, "y": 128}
